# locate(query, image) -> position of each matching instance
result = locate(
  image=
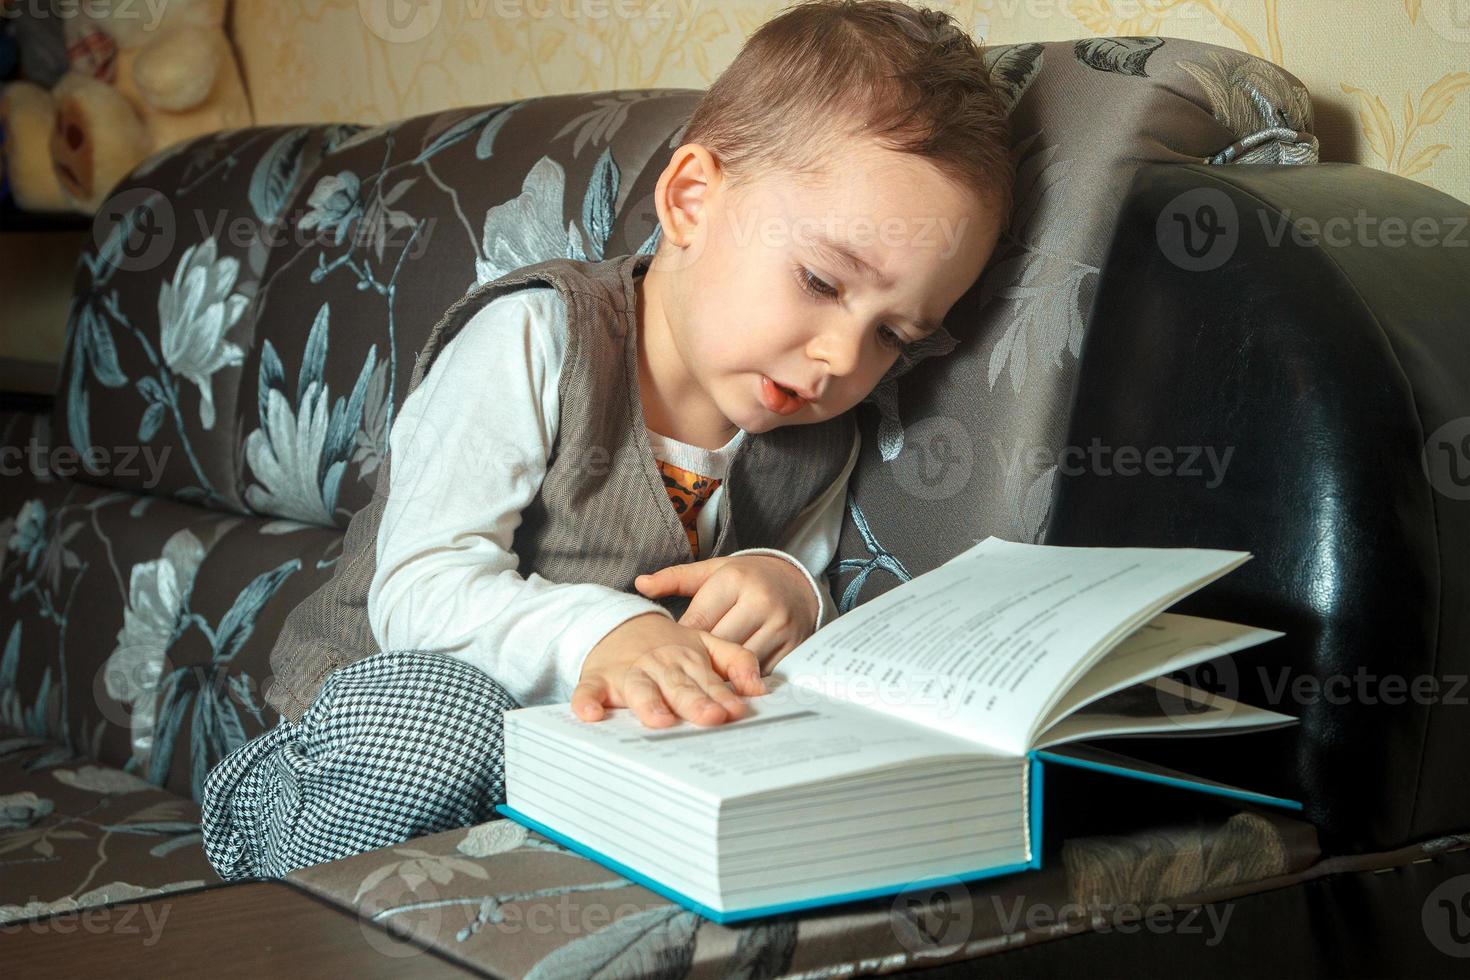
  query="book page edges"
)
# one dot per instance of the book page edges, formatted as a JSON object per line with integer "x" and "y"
{"x": 1121, "y": 633}
{"x": 724, "y": 917}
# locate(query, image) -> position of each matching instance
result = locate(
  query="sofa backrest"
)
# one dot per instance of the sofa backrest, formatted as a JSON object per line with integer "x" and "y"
{"x": 394, "y": 225}
{"x": 254, "y": 307}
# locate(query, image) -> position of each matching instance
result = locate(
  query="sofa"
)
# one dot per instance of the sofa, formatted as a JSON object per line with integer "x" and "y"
{"x": 1181, "y": 275}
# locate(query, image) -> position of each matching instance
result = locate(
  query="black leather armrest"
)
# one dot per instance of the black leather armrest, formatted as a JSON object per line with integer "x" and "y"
{"x": 1291, "y": 344}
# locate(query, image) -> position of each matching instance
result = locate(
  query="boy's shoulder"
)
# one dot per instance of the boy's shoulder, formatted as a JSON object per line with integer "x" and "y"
{"x": 566, "y": 274}
{"x": 545, "y": 288}
{"x": 535, "y": 311}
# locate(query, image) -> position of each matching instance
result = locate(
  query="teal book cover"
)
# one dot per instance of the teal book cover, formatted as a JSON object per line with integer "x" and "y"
{"x": 1084, "y": 757}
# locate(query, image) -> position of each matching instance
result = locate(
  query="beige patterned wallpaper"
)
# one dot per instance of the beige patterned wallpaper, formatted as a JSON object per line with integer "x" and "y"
{"x": 1388, "y": 77}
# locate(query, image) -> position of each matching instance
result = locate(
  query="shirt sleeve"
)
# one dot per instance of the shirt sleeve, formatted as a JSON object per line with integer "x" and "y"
{"x": 468, "y": 452}
{"x": 815, "y": 534}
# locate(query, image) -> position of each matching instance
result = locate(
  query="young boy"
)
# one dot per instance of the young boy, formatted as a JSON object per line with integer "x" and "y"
{"x": 575, "y": 431}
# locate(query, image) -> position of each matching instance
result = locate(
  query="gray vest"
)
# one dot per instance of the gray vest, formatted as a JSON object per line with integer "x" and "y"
{"x": 602, "y": 514}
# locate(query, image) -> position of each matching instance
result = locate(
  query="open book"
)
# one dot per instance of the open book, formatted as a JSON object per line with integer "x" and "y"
{"x": 901, "y": 743}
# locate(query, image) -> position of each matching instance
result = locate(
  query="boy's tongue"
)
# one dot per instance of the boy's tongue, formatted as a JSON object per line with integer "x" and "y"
{"x": 778, "y": 399}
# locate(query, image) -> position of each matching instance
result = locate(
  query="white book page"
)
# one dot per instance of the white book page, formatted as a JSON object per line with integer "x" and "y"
{"x": 1162, "y": 706}
{"x": 981, "y": 645}
{"x": 791, "y": 736}
{"x": 1164, "y": 644}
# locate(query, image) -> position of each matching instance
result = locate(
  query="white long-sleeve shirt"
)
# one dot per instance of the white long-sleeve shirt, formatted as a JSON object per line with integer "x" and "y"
{"x": 469, "y": 450}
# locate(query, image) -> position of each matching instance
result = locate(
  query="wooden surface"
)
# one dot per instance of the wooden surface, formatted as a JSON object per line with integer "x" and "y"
{"x": 255, "y": 928}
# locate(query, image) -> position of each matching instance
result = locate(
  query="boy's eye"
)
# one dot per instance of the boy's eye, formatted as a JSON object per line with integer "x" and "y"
{"x": 892, "y": 339}
{"x": 824, "y": 290}
{"x": 814, "y": 285}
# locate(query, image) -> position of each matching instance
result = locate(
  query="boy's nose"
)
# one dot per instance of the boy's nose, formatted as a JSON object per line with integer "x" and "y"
{"x": 840, "y": 346}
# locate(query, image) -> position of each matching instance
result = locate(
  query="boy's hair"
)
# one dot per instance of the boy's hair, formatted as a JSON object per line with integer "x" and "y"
{"x": 825, "y": 71}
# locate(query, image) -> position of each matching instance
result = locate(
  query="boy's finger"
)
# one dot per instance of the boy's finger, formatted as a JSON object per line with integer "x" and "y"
{"x": 710, "y": 607}
{"x": 738, "y": 663}
{"x": 698, "y": 693}
{"x": 642, "y": 693}
{"x": 588, "y": 697}
{"x": 684, "y": 579}
{"x": 718, "y": 690}
{"x": 675, "y": 579}
{"x": 769, "y": 646}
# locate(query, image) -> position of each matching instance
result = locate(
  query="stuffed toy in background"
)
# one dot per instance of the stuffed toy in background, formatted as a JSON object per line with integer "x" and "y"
{"x": 141, "y": 77}
{"x": 32, "y": 49}
{"x": 38, "y": 39}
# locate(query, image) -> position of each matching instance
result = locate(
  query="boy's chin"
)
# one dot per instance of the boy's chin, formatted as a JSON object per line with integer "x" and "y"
{"x": 769, "y": 421}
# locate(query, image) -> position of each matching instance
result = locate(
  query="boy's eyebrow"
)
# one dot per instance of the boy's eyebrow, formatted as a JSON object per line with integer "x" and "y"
{"x": 856, "y": 263}
{"x": 853, "y": 261}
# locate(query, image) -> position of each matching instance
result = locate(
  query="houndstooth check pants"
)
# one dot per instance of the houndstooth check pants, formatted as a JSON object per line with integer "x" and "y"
{"x": 395, "y": 746}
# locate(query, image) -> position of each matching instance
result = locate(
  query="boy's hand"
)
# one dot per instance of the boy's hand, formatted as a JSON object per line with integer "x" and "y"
{"x": 650, "y": 663}
{"x": 758, "y": 601}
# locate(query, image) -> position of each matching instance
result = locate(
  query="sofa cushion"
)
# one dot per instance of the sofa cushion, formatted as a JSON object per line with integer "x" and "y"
{"x": 391, "y": 227}
{"x": 139, "y": 629}
{"x": 161, "y": 319}
{"x": 504, "y": 899}
{"x": 74, "y": 833}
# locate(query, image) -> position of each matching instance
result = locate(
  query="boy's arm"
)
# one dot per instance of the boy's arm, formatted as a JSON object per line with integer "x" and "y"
{"x": 468, "y": 452}
{"x": 813, "y": 540}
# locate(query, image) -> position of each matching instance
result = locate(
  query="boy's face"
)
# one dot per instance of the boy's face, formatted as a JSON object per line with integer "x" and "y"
{"x": 745, "y": 289}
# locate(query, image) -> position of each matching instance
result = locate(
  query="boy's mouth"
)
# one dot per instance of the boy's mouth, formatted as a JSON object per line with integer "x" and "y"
{"x": 779, "y": 399}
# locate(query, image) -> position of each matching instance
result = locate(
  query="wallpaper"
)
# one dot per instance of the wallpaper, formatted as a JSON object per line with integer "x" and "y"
{"x": 1388, "y": 77}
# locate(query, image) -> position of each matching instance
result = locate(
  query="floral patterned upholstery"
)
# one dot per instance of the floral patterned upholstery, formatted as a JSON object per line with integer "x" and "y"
{"x": 95, "y": 833}
{"x": 506, "y": 899}
{"x": 242, "y": 334}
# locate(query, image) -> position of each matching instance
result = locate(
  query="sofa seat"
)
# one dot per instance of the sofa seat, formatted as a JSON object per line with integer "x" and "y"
{"x": 91, "y": 834}
{"x": 76, "y": 834}
{"x": 504, "y": 899}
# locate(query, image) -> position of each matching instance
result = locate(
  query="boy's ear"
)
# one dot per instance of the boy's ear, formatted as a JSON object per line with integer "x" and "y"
{"x": 681, "y": 198}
